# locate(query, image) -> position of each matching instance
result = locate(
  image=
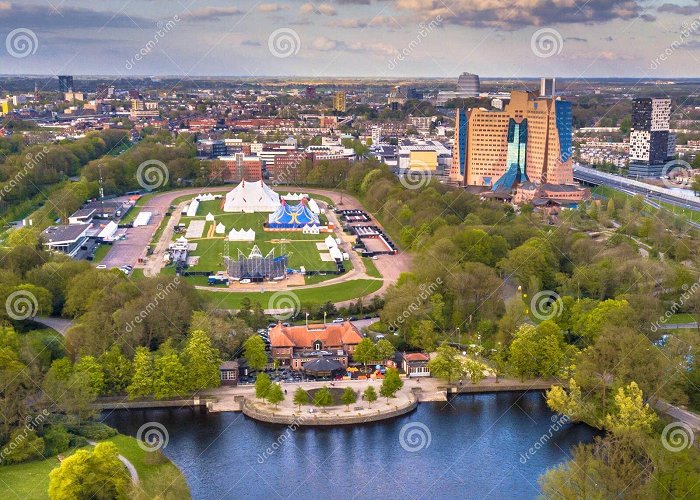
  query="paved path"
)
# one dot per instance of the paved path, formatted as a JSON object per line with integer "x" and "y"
{"x": 687, "y": 417}
{"x": 129, "y": 466}
{"x": 61, "y": 325}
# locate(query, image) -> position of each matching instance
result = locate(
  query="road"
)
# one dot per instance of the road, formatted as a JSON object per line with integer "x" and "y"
{"x": 685, "y": 416}
{"x": 633, "y": 187}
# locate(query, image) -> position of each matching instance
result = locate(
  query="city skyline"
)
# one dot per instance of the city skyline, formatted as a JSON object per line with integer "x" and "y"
{"x": 363, "y": 38}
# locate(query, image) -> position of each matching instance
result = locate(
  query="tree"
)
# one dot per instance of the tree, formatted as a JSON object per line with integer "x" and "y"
{"x": 631, "y": 413}
{"x": 201, "y": 362}
{"x": 169, "y": 375}
{"x": 254, "y": 352}
{"x": 262, "y": 385}
{"x": 390, "y": 384}
{"x": 27, "y": 446}
{"x": 385, "y": 349}
{"x": 474, "y": 370}
{"x": 93, "y": 369}
{"x": 537, "y": 351}
{"x": 74, "y": 396}
{"x": 56, "y": 439}
{"x": 423, "y": 335}
{"x": 499, "y": 361}
{"x": 323, "y": 397}
{"x": 365, "y": 352}
{"x": 301, "y": 397}
{"x": 569, "y": 404}
{"x": 446, "y": 364}
{"x": 97, "y": 474}
{"x": 117, "y": 371}
{"x": 370, "y": 395}
{"x": 142, "y": 380}
{"x": 349, "y": 397}
{"x": 275, "y": 395}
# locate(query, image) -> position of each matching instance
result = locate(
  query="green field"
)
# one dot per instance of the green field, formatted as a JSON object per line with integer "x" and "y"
{"x": 101, "y": 252}
{"x": 301, "y": 248}
{"x": 31, "y": 480}
{"x": 333, "y": 293}
{"x": 371, "y": 268}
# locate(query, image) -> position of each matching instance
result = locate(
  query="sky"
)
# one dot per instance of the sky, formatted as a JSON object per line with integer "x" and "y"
{"x": 363, "y": 38}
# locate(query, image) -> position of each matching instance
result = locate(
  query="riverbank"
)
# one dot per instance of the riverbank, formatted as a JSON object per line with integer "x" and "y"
{"x": 151, "y": 476}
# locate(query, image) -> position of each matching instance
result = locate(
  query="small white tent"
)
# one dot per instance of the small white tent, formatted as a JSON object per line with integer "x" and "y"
{"x": 220, "y": 229}
{"x": 210, "y": 217}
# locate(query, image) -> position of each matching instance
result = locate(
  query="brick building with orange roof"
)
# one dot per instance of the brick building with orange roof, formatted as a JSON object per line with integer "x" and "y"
{"x": 295, "y": 345}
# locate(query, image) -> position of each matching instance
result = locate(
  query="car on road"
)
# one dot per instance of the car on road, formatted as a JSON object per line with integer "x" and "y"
{"x": 375, "y": 257}
{"x": 100, "y": 266}
{"x": 338, "y": 320}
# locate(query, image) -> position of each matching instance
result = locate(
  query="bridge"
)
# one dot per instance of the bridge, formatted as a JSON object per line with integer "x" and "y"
{"x": 651, "y": 193}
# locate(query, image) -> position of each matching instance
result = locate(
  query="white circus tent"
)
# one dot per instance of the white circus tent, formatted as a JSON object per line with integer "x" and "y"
{"x": 310, "y": 229}
{"x": 251, "y": 197}
{"x": 210, "y": 217}
{"x": 241, "y": 235}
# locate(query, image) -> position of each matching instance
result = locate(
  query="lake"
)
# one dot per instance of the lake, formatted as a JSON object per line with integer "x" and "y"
{"x": 475, "y": 446}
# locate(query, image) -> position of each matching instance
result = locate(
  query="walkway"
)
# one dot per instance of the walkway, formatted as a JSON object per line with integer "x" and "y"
{"x": 61, "y": 325}
{"x": 129, "y": 466}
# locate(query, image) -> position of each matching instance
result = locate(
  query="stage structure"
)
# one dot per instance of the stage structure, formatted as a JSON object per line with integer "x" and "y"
{"x": 255, "y": 267}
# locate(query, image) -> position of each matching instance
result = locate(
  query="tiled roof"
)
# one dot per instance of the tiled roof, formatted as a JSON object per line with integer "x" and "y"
{"x": 336, "y": 334}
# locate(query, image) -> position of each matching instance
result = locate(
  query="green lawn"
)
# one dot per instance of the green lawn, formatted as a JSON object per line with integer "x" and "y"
{"x": 31, "y": 480}
{"x": 101, "y": 253}
{"x": 679, "y": 319}
{"x": 371, "y": 268}
{"x": 334, "y": 293}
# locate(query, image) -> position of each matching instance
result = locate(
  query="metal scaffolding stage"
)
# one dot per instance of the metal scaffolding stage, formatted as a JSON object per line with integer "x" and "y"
{"x": 255, "y": 267}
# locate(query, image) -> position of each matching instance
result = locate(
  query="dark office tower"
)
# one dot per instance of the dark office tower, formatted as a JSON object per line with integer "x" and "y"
{"x": 548, "y": 87}
{"x": 651, "y": 143}
{"x": 134, "y": 94}
{"x": 310, "y": 93}
{"x": 65, "y": 83}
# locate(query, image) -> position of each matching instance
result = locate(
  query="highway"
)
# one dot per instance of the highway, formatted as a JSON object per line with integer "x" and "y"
{"x": 630, "y": 186}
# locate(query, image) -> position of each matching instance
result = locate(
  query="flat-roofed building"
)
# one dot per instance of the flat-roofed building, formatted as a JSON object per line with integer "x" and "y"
{"x": 67, "y": 239}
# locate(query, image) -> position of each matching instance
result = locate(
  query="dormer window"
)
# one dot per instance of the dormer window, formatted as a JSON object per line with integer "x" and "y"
{"x": 318, "y": 345}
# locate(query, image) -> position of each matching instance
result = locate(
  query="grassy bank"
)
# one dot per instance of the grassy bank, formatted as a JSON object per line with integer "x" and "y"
{"x": 157, "y": 477}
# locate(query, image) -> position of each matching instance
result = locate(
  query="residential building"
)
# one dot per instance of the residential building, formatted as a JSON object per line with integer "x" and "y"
{"x": 310, "y": 93}
{"x": 339, "y": 102}
{"x": 548, "y": 87}
{"x": 210, "y": 148}
{"x": 468, "y": 86}
{"x": 414, "y": 364}
{"x": 240, "y": 167}
{"x": 652, "y": 144}
{"x": 459, "y": 148}
{"x": 423, "y": 155}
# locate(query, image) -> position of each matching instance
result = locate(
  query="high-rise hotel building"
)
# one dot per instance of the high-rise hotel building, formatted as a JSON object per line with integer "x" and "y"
{"x": 651, "y": 142}
{"x": 530, "y": 140}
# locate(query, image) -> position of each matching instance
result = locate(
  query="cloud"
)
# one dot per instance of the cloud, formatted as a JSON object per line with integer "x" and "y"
{"x": 251, "y": 43}
{"x": 685, "y": 10}
{"x": 325, "y": 44}
{"x": 574, "y": 39}
{"x": 522, "y": 13}
{"x": 270, "y": 7}
{"x": 387, "y": 21}
{"x": 41, "y": 18}
{"x": 322, "y": 9}
{"x": 212, "y": 13}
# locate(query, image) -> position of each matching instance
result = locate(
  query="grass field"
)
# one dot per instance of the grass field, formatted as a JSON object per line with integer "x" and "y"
{"x": 101, "y": 252}
{"x": 301, "y": 248}
{"x": 31, "y": 480}
{"x": 371, "y": 268}
{"x": 333, "y": 293}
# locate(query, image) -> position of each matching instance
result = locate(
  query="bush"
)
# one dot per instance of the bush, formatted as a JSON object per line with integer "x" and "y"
{"x": 77, "y": 441}
{"x": 95, "y": 431}
{"x": 56, "y": 440}
{"x": 24, "y": 445}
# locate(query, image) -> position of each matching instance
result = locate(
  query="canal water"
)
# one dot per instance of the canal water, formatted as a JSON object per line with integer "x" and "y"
{"x": 484, "y": 446}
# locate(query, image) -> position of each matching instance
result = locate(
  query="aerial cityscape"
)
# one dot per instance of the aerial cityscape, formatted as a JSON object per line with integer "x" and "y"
{"x": 350, "y": 249}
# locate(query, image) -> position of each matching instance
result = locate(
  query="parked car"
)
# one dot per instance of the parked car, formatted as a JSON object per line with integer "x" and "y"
{"x": 101, "y": 266}
{"x": 338, "y": 320}
{"x": 245, "y": 282}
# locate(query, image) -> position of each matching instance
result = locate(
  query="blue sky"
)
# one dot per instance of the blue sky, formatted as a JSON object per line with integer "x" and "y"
{"x": 389, "y": 38}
